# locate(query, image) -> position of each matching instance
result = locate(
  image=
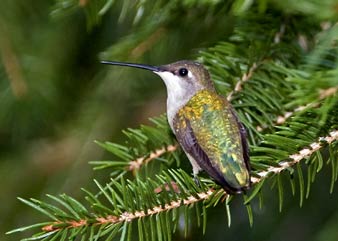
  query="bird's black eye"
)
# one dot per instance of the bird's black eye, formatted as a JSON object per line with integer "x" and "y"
{"x": 182, "y": 72}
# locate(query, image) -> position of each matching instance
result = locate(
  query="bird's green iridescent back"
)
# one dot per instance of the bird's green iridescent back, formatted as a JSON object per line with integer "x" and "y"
{"x": 217, "y": 132}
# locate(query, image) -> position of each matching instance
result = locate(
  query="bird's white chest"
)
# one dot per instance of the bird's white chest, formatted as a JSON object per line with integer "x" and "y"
{"x": 179, "y": 93}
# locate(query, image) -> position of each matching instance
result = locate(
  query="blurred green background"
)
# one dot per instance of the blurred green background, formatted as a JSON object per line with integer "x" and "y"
{"x": 56, "y": 99}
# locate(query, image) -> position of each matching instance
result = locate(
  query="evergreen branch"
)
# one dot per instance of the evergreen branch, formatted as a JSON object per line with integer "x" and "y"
{"x": 144, "y": 145}
{"x": 245, "y": 77}
{"x": 297, "y": 157}
{"x": 323, "y": 94}
{"x": 137, "y": 211}
{"x": 130, "y": 216}
{"x": 327, "y": 92}
{"x": 137, "y": 163}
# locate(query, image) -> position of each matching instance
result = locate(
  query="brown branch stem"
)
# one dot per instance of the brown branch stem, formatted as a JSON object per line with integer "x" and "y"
{"x": 137, "y": 163}
{"x": 323, "y": 94}
{"x": 245, "y": 77}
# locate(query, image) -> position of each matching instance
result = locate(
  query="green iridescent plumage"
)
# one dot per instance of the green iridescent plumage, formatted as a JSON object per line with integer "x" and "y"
{"x": 204, "y": 123}
{"x": 217, "y": 132}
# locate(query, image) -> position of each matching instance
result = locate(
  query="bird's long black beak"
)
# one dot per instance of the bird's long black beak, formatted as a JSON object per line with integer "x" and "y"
{"x": 140, "y": 66}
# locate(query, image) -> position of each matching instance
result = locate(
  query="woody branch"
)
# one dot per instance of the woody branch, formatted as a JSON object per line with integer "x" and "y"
{"x": 129, "y": 216}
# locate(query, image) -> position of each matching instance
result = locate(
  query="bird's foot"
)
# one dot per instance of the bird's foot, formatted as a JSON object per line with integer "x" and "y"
{"x": 197, "y": 181}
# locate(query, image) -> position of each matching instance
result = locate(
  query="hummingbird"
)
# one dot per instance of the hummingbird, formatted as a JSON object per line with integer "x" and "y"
{"x": 204, "y": 123}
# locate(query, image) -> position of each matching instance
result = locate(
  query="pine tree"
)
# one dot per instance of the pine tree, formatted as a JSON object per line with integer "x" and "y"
{"x": 276, "y": 61}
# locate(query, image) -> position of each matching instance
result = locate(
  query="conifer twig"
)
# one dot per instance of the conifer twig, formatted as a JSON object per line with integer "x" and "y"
{"x": 137, "y": 163}
{"x": 297, "y": 157}
{"x": 129, "y": 216}
{"x": 245, "y": 77}
{"x": 323, "y": 94}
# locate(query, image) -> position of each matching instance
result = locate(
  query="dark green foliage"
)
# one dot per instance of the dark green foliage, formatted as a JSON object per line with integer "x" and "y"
{"x": 139, "y": 146}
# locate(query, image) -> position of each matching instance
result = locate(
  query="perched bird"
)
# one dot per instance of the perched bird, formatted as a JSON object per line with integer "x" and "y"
{"x": 204, "y": 123}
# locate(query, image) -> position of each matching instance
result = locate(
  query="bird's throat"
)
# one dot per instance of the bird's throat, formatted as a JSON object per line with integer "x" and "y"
{"x": 179, "y": 92}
